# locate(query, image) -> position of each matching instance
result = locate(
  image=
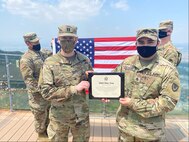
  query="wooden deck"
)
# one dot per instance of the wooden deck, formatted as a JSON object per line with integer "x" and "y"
{"x": 19, "y": 126}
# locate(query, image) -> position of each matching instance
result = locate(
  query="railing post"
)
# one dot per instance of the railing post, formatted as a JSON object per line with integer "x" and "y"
{"x": 104, "y": 110}
{"x": 8, "y": 82}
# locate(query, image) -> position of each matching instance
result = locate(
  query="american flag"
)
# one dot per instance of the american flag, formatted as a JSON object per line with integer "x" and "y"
{"x": 104, "y": 53}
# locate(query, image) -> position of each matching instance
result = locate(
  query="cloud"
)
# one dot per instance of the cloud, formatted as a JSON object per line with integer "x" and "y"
{"x": 121, "y": 5}
{"x": 45, "y": 9}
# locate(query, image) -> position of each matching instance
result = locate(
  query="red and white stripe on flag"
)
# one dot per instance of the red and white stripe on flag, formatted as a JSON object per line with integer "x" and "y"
{"x": 109, "y": 52}
{"x": 104, "y": 53}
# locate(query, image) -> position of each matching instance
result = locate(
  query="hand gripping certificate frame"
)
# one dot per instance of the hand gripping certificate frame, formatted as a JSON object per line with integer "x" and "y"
{"x": 106, "y": 85}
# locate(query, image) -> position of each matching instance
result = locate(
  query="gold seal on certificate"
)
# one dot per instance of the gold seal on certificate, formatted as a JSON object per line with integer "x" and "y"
{"x": 106, "y": 85}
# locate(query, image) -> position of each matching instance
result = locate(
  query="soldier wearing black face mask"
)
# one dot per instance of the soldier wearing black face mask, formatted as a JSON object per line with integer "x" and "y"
{"x": 30, "y": 65}
{"x": 166, "y": 49}
{"x": 152, "y": 88}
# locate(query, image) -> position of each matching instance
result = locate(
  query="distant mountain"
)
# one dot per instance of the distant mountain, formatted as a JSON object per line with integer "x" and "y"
{"x": 10, "y": 52}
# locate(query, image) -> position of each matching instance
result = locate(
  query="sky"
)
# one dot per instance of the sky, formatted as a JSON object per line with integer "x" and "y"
{"x": 94, "y": 18}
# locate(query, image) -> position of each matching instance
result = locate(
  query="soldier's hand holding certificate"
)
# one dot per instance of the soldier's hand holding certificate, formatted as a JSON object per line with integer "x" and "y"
{"x": 106, "y": 85}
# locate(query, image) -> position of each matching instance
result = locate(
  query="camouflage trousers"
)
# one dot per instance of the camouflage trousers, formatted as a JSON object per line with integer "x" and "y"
{"x": 59, "y": 131}
{"x": 40, "y": 109}
{"x": 123, "y": 137}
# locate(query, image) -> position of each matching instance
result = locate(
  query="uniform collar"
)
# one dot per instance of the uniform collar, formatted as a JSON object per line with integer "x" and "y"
{"x": 141, "y": 67}
{"x": 164, "y": 45}
{"x": 33, "y": 52}
{"x": 66, "y": 61}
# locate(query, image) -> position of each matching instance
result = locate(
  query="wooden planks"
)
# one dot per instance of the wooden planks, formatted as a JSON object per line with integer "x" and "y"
{"x": 103, "y": 129}
{"x": 175, "y": 131}
{"x": 19, "y": 126}
{"x": 10, "y": 125}
{"x": 97, "y": 135}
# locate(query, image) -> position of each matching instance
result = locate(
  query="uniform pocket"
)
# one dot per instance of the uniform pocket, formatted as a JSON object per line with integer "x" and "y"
{"x": 146, "y": 86}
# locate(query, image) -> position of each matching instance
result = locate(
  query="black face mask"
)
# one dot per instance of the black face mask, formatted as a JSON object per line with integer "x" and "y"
{"x": 37, "y": 47}
{"x": 146, "y": 51}
{"x": 162, "y": 34}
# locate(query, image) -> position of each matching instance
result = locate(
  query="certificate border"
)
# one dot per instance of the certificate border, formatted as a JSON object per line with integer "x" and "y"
{"x": 122, "y": 76}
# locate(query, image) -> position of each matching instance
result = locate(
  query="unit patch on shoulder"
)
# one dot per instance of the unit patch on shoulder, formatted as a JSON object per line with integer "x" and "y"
{"x": 175, "y": 87}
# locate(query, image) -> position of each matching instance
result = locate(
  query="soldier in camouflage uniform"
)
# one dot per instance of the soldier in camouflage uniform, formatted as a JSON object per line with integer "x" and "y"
{"x": 64, "y": 84}
{"x": 166, "y": 49}
{"x": 152, "y": 88}
{"x": 30, "y": 65}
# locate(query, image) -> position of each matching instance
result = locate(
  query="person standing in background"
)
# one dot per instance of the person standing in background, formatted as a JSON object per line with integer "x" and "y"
{"x": 30, "y": 65}
{"x": 166, "y": 49}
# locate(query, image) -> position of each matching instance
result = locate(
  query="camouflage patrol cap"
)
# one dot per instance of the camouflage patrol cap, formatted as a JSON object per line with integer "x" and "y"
{"x": 67, "y": 30}
{"x": 168, "y": 24}
{"x": 147, "y": 32}
{"x": 31, "y": 37}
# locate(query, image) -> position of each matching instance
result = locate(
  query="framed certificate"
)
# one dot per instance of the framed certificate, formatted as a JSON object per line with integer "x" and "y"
{"x": 106, "y": 85}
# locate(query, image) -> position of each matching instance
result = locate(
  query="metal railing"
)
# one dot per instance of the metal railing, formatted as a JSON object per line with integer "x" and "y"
{"x": 12, "y": 88}
{"x": 6, "y": 76}
{"x": 12, "y": 85}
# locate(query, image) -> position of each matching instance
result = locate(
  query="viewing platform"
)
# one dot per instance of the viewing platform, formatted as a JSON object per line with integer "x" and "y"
{"x": 19, "y": 126}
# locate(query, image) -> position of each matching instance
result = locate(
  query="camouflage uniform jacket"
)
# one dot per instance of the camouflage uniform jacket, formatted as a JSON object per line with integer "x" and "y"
{"x": 30, "y": 65}
{"x": 60, "y": 76}
{"x": 170, "y": 53}
{"x": 154, "y": 89}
